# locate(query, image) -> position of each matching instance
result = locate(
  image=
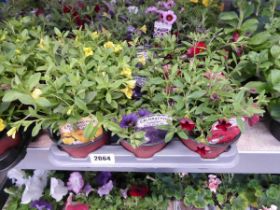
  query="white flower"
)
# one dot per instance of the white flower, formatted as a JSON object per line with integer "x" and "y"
{"x": 57, "y": 190}
{"x": 17, "y": 176}
{"x": 133, "y": 9}
{"x": 273, "y": 207}
{"x": 34, "y": 186}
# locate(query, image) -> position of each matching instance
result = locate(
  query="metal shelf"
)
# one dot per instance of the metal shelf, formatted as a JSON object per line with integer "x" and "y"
{"x": 256, "y": 152}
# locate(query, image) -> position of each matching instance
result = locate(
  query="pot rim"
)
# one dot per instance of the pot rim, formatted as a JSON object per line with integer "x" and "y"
{"x": 213, "y": 145}
{"x": 143, "y": 145}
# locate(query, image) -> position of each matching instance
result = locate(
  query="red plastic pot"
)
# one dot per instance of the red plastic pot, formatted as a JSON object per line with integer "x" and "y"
{"x": 208, "y": 151}
{"x": 145, "y": 150}
{"x": 84, "y": 149}
{"x": 7, "y": 142}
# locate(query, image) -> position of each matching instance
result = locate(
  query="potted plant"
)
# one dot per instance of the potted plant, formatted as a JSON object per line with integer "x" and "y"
{"x": 207, "y": 104}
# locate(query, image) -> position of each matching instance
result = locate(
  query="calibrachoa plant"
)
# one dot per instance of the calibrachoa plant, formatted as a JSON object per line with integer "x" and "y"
{"x": 120, "y": 191}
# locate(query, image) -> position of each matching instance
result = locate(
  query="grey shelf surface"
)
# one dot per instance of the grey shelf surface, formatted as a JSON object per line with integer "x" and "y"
{"x": 256, "y": 152}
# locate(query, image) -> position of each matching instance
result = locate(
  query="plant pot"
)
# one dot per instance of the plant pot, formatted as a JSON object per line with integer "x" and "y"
{"x": 208, "y": 151}
{"x": 81, "y": 150}
{"x": 7, "y": 142}
{"x": 275, "y": 128}
{"x": 144, "y": 150}
{"x": 14, "y": 152}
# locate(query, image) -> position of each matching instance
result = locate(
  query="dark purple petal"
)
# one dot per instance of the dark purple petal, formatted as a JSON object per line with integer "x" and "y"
{"x": 87, "y": 189}
{"x": 143, "y": 112}
{"x": 103, "y": 177}
{"x": 129, "y": 120}
{"x": 41, "y": 205}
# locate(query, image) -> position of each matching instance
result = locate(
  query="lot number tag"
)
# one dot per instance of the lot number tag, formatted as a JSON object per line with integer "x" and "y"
{"x": 102, "y": 158}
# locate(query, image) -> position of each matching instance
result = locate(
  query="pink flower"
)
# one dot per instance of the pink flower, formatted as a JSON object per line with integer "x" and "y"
{"x": 235, "y": 36}
{"x": 152, "y": 9}
{"x": 168, "y": 17}
{"x": 167, "y": 5}
{"x": 75, "y": 206}
{"x": 213, "y": 183}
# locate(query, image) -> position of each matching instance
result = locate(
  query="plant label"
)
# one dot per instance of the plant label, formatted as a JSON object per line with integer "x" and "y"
{"x": 102, "y": 158}
{"x": 161, "y": 29}
{"x": 153, "y": 121}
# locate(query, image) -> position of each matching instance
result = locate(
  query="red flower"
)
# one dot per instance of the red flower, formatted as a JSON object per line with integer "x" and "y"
{"x": 97, "y": 8}
{"x": 197, "y": 48}
{"x": 67, "y": 8}
{"x": 80, "y": 4}
{"x": 253, "y": 120}
{"x": 39, "y": 11}
{"x": 187, "y": 124}
{"x": 239, "y": 51}
{"x": 138, "y": 191}
{"x": 223, "y": 125}
{"x": 235, "y": 36}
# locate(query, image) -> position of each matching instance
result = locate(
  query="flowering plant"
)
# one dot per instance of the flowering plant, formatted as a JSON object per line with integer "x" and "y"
{"x": 195, "y": 87}
{"x": 81, "y": 77}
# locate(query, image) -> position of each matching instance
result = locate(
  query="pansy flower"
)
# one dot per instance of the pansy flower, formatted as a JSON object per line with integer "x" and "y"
{"x": 129, "y": 120}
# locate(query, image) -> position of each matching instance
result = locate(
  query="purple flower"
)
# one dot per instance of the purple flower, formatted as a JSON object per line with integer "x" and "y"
{"x": 41, "y": 205}
{"x": 143, "y": 112}
{"x": 129, "y": 120}
{"x": 87, "y": 189}
{"x": 105, "y": 189}
{"x": 75, "y": 182}
{"x": 151, "y": 9}
{"x": 154, "y": 135}
{"x": 137, "y": 93}
{"x": 103, "y": 177}
{"x": 124, "y": 193}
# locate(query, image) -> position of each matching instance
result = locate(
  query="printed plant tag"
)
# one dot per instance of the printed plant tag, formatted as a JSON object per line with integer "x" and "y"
{"x": 66, "y": 129}
{"x": 141, "y": 52}
{"x": 161, "y": 29}
{"x": 153, "y": 121}
{"x": 102, "y": 159}
{"x": 84, "y": 122}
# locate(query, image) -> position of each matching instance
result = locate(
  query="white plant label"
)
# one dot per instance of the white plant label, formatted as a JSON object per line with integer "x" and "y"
{"x": 153, "y": 121}
{"x": 160, "y": 29}
{"x": 102, "y": 158}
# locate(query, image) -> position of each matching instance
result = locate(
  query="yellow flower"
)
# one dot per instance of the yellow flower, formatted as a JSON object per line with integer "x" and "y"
{"x": 18, "y": 51}
{"x": 128, "y": 92}
{"x": 95, "y": 35}
{"x": 2, "y": 125}
{"x": 109, "y": 45}
{"x": 117, "y": 48}
{"x": 205, "y": 3}
{"x": 68, "y": 140}
{"x": 12, "y": 132}
{"x": 36, "y": 93}
{"x": 88, "y": 51}
{"x": 194, "y": 1}
{"x": 131, "y": 84}
{"x": 142, "y": 59}
{"x": 126, "y": 72}
{"x": 41, "y": 44}
{"x": 143, "y": 29}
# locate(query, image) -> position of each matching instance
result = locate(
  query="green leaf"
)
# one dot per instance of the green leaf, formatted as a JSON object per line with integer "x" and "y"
{"x": 33, "y": 80}
{"x": 36, "y": 129}
{"x": 57, "y": 32}
{"x": 43, "y": 102}
{"x": 274, "y": 77}
{"x": 197, "y": 94}
{"x": 250, "y": 25}
{"x": 169, "y": 136}
{"x": 227, "y": 16}
{"x": 275, "y": 51}
{"x": 90, "y": 131}
{"x": 81, "y": 104}
{"x": 108, "y": 97}
{"x": 259, "y": 38}
{"x": 26, "y": 99}
{"x": 259, "y": 86}
{"x": 183, "y": 135}
{"x": 11, "y": 95}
